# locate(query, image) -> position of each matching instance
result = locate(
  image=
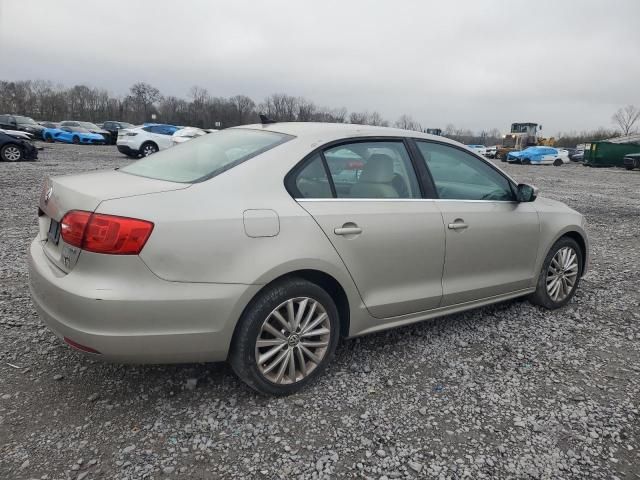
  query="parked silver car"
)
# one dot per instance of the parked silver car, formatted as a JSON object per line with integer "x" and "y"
{"x": 264, "y": 244}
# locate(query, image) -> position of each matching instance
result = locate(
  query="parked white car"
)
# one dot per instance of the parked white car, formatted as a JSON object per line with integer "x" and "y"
{"x": 145, "y": 140}
{"x": 479, "y": 149}
{"x": 187, "y": 133}
{"x": 492, "y": 151}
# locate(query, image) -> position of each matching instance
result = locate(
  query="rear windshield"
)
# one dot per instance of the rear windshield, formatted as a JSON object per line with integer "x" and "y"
{"x": 206, "y": 156}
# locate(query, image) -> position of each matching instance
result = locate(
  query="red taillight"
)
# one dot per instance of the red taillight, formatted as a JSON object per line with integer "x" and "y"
{"x": 99, "y": 233}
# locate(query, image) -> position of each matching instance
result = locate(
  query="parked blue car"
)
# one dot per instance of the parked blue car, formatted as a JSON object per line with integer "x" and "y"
{"x": 539, "y": 156}
{"x": 77, "y": 135}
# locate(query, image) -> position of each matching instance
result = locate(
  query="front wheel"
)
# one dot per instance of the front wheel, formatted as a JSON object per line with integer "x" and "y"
{"x": 75, "y": 139}
{"x": 11, "y": 153}
{"x": 560, "y": 275}
{"x": 286, "y": 337}
{"x": 557, "y": 162}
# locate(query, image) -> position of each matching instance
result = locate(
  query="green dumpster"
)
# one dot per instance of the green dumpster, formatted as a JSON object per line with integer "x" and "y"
{"x": 608, "y": 154}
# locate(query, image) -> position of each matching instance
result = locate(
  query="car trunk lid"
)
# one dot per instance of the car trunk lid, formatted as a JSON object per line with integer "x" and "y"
{"x": 85, "y": 192}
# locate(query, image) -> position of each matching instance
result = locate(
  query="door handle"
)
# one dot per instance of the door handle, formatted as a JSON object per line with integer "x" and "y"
{"x": 347, "y": 230}
{"x": 458, "y": 225}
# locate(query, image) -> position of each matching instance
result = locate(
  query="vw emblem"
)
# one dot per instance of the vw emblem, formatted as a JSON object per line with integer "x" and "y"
{"x": 47, "y": 195}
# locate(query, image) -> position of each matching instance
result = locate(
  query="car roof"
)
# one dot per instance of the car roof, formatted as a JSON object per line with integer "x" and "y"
{"x": 327, "y": 132}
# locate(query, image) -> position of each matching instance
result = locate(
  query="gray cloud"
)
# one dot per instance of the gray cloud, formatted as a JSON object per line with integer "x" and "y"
{"x": 566, "y": 64}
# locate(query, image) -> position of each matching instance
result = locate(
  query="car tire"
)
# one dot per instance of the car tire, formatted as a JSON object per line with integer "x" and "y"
{"x": 75, "y": 140}
{"x": 526, "y": 161}
{"x": 557, "y": 162}
{"x": 261, "y": 321}
{"x": 11, "y": 153}
{"x": 562, "y": 265}
{"x": 48, "y": 138}
{"x": 148, "y": 148}
{"x": 628, "y": 167}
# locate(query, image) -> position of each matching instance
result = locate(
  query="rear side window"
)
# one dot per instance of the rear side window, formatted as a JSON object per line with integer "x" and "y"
{"x": 372, "y": 170}
{"x": 206, "y": 156}
{"x": 312, "y": 181}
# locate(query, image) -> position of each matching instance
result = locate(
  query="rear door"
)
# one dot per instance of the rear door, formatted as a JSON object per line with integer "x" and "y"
{"x": 491, "y": 240}
{"x": 366, "y": 198}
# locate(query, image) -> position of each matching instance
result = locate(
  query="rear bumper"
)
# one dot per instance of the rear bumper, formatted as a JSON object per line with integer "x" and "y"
{"x": 129, "y": 315}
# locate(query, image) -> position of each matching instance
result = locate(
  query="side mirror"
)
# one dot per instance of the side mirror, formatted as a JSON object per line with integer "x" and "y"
{"x": 526, "y": 193}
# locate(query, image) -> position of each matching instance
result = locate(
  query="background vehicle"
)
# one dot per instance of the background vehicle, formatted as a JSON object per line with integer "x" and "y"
{"x": 578, "y": 156}
{"x": 21, "y": 123}
{"x": 521, "y": 136}
{"x": 631, "y": 161}
{"x": 17, "y": 134}
{"x": 76, "y": 135}
{"x": 186, "y": 134}
{"x": 14, "y": 149}
{"x": 89, "y": 127}
{"x": 479, "y": 149}
{"x": 491, "y": 151}
{"x": 113, "y": 128}
{"x": 539, "y": 156}
{"x": 283, "y": 261}
{"x": 145, "y": 140}
{"x": 47, "y": 124}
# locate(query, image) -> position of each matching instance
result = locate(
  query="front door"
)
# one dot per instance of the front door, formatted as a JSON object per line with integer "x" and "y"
{"x": 491, "y": 240}
{"x": 389, "y": 238}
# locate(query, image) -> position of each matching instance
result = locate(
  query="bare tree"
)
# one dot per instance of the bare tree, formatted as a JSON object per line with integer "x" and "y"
{"x": 142, "y": 97}
{"x": 626, "y": 118}
{"x": 406, "y": 122}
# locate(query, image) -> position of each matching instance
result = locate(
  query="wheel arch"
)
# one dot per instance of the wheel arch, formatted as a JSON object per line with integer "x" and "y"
{"x": 581, "y": 241}
{"x": 324, "y": 280}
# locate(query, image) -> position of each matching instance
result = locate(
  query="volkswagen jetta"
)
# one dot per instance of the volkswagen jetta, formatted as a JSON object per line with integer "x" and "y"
{"x": 264, "y": 244}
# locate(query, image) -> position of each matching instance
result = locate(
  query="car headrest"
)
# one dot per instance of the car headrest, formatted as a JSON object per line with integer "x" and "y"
{"x": 379, "y": 169}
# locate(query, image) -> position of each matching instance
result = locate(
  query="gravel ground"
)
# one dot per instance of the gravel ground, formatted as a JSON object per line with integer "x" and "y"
{"x": 508, "y": 391}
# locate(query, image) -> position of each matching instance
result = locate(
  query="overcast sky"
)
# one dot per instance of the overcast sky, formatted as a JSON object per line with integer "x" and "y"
{"x": 567, "y": 64}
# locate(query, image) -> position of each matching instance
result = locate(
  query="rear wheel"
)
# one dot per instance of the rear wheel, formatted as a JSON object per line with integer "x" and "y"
{"x": 557, "y": 162}
{"x": 75, "y": 139}
{"x": 48, "y": 138}
{"x": 560, "y": 275}
{"x": 628, "y": 167}
{"x": 286, "y": 337}
{"x": 11, "y": 153}
{"x": 148, "y": 148}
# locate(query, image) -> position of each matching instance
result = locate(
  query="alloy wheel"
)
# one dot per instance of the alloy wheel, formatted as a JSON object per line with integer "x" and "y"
{"x": 562, "y": 274}
{"x": 293, "y": 340}
{"x": 148, "y": 150}
{"x": 12, "y": 153}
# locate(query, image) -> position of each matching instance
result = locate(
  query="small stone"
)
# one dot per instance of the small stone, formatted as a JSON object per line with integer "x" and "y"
{"x": 128, "y": 449}
{"x": 298, "y": 402}
{"x": 415, "y": 466}
{"x": 93, "y": 397}
{"x": 25, "y": 464}
{"x": 58, "y": 377}
{"x": 82, "y": 475}
{"x": 191, "y": 384}
{"x": 381, "y": 453}
{"x": 168, "y": 470}
{"x": 423, "y": 411}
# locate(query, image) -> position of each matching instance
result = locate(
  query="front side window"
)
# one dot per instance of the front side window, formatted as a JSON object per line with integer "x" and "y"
{"x": 372, "y": 170}
{"x": 460, "y": 176}
{"x": 206, "y": 156}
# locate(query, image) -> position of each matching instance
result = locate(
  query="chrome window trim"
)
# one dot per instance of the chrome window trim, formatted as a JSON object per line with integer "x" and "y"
{"x": 401, "y": 200}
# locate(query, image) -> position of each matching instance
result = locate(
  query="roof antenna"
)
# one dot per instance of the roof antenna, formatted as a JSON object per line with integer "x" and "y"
{"x": 265, "y": 120}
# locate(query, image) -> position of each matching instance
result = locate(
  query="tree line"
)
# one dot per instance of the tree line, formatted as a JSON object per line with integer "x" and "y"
{"x": 44, "y": 100}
